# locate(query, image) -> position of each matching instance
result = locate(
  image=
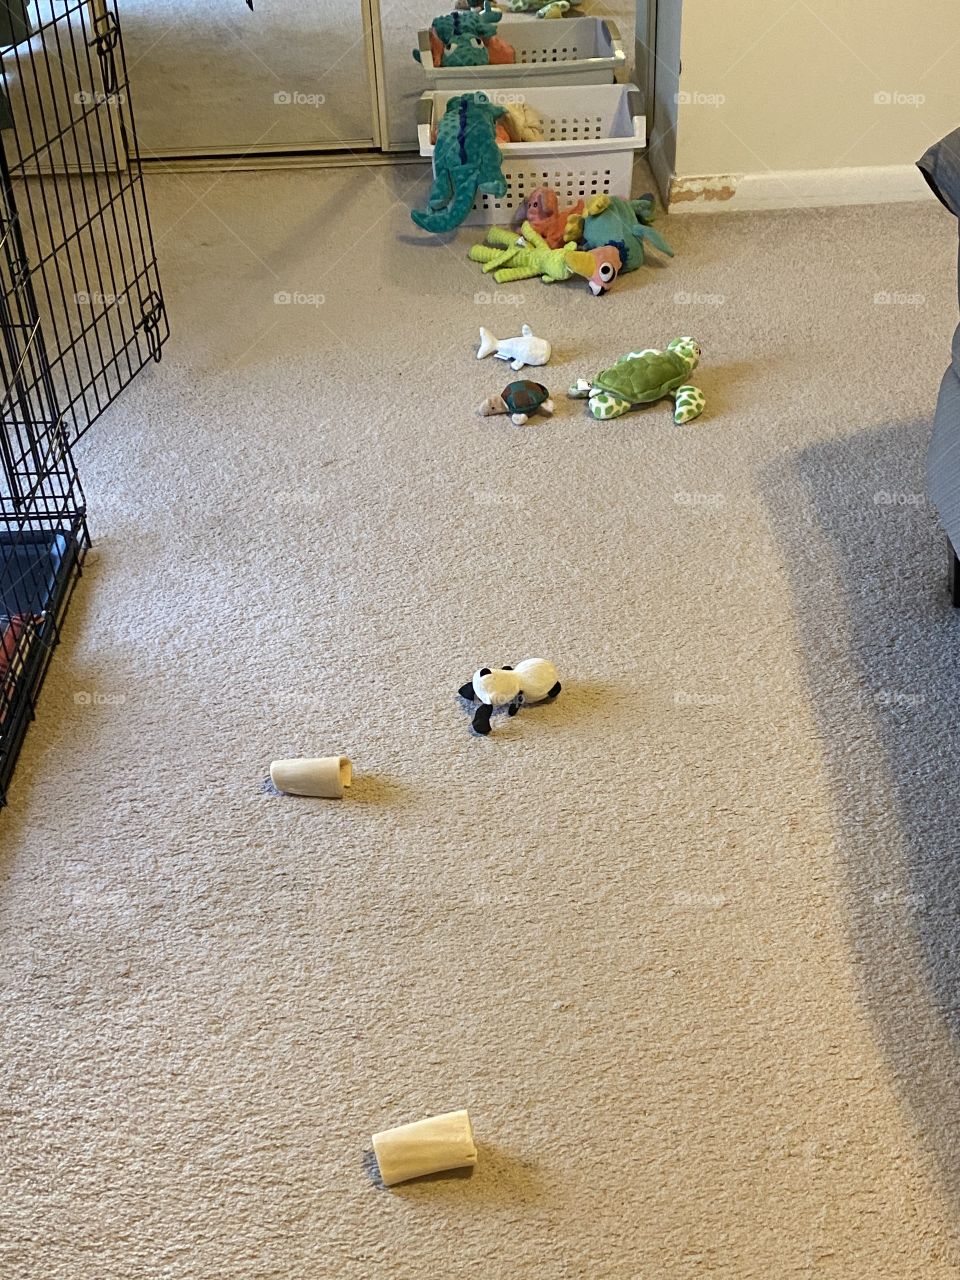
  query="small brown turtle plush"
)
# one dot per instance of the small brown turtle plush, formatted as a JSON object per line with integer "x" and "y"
{"x": 520, "y": 400}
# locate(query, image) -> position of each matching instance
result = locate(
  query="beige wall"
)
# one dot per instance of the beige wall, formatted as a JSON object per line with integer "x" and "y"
{"x": 777, "y": 85}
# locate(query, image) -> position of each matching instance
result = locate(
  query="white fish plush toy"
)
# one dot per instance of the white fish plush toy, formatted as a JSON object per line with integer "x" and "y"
{"x": 527, "y": 349}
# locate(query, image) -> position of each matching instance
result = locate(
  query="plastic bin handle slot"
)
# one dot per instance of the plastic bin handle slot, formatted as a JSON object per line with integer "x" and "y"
{"x": 424, "y": 121}
{"x": 616, "y": 40}
{"x": 635, "y": 108}
{"x": 426, "y": 53}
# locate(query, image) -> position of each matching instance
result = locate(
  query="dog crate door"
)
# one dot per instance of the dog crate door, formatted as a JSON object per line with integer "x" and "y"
{"x": 78, "y": 236}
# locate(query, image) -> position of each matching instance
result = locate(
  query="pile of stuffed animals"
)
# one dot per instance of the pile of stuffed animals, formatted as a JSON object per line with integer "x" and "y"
{"x": 552, "y": 9}
{"x": 519, "y": 123}
{"x": 468, "y": 37}
{"x": 596, "y": 239}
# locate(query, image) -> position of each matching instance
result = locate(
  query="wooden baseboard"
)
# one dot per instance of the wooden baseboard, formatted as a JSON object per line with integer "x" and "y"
{"x": 797, "y": 189}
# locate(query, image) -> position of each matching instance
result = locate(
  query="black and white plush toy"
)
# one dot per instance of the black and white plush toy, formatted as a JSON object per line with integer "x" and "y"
{"x": 533, "y": 680}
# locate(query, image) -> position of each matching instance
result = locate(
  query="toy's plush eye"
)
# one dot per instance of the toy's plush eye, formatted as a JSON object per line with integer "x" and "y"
{"x": 606, "y": 271}
{"x": 484, "y": 671}
{"x": 506, "y": 668}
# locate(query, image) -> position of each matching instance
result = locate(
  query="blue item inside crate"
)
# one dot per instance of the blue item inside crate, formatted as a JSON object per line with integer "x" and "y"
{"x": 31, "y": 564}
{"x": 37, "y": 567}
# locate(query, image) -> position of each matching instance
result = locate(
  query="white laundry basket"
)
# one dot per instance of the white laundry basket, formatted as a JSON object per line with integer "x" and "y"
{"x": 559, "y": 51}
{"x": 592, "y": 133}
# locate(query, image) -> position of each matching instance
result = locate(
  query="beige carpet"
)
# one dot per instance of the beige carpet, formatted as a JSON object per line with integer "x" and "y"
{"x": 686, "y": 942}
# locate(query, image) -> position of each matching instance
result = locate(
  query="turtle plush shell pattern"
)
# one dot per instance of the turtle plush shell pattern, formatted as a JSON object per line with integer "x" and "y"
{"x": 524, "y": 397}
{"x": 644, "y": 378}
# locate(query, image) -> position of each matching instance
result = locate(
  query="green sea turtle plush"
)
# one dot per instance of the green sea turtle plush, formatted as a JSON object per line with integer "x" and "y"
{"x": 642, "y": 377}
{"x": 520, "y": 400}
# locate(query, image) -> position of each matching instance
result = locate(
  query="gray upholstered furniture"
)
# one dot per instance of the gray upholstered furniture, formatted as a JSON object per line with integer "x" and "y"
{"x": 941, "y": 168}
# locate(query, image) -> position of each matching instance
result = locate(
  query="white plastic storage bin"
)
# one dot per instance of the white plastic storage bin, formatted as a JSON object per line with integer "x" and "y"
{"x": 592, "y": 133}
{"x": 555, "y": 51}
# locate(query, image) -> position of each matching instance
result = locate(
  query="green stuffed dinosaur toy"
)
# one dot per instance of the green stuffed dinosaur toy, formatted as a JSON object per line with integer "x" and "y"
{"x": 466, "y": 159}
{"x": 459, "y": 37}
{"x": 611, "y": 220}
{"x": 465, "y": 51}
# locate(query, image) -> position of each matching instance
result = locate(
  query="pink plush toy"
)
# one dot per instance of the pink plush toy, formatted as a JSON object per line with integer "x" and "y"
{"x": 542, "y": 210}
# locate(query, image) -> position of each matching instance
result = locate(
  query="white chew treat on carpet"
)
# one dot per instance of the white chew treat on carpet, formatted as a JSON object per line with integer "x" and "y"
{"x": 426, "y": 1146}
{"x": 324, "y": 776}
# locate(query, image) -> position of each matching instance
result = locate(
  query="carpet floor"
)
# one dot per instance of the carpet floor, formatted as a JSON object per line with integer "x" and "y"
{"x": 686, "y": 942}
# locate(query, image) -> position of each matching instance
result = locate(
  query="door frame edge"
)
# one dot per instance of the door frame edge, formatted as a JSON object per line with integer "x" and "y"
{"x": 373, "y": 40}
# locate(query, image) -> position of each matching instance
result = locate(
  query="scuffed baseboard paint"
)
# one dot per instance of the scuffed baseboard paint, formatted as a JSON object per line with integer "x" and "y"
{"x": 705, "y": 191}
{"x": 797, "y": 189}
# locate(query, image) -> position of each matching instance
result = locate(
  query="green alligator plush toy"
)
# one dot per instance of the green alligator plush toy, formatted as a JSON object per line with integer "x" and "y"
{"x": 458, "y": 37}
{"x": 610, "y": 220}
{"x": 465, "y": 51}
{"x": 466, "y": 159}
{"x": 455, "y": 26}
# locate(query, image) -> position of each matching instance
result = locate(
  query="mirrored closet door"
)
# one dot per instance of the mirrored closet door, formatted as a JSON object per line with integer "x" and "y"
{"x": 212, "y": 77}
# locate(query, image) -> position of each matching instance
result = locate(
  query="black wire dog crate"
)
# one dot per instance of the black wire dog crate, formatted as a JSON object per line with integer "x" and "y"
{"x": 81, "y": 310}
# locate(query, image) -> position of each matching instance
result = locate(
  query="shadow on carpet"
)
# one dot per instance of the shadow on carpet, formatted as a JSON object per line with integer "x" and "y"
{"x": 867, "y": 562}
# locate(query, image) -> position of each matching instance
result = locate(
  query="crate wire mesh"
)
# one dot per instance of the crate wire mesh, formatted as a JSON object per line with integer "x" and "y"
{"x": 81, "y": 313}
{"x": 87, "y": 234}
{"x": 43, "y": 532}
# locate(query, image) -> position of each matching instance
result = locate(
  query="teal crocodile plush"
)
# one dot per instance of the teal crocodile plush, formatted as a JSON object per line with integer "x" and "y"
{"x": 481, "y": 25}
{"x": 456, "y": 39}
{"x": 624, "y": 223}
{"x": 466, "y": 160}
{"x": 465, "y": 51}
